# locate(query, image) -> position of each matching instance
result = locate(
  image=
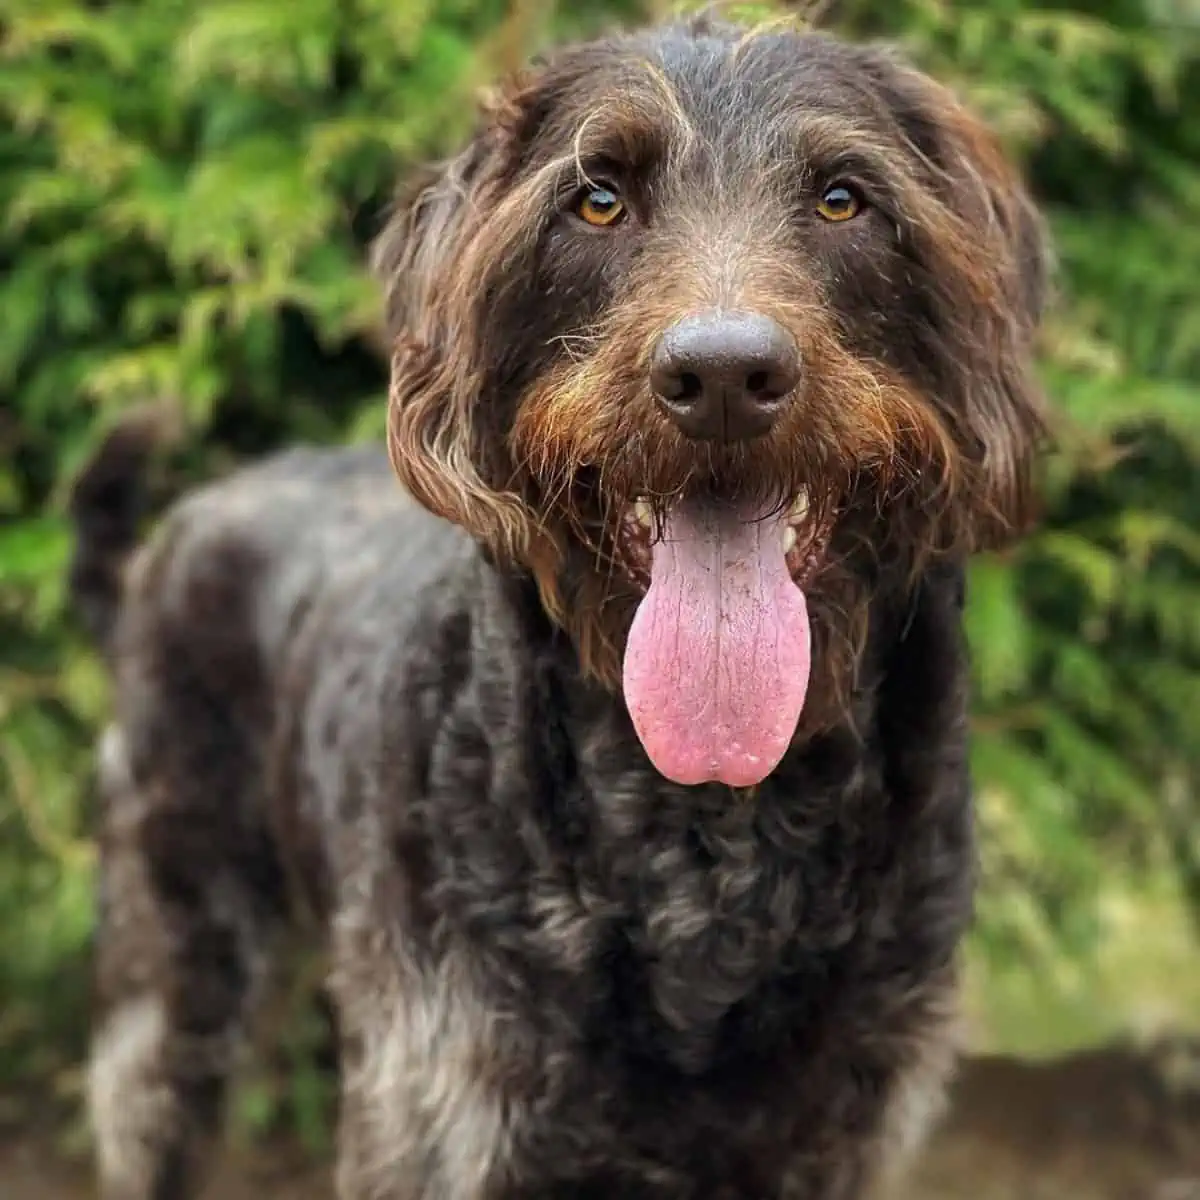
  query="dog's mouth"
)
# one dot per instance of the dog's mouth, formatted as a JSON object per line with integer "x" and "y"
{"x": 802, "y": 537}
{"x": 718, "y": 657}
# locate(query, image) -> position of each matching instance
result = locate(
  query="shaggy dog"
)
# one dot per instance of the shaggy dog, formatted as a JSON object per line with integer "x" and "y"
{"x": 620, "y": 759}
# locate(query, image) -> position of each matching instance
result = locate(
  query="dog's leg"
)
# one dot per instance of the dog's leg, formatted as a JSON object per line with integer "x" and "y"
{"x": 427, "y": 1113}
{"x": 904, "y": 1113}
{"x": 181, "y": 956}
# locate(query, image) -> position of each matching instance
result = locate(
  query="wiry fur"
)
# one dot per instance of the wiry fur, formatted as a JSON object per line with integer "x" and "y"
{"x": 555, "y": 974}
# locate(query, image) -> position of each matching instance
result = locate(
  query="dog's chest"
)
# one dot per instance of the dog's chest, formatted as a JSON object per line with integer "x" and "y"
{"x": 726, "y": 914}
{"x": 614, "y": 910}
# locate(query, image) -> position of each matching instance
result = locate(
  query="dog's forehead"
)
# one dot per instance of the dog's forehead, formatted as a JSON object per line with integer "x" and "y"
{"x": 741, "y": 93}
{"x": 760, "y": 72}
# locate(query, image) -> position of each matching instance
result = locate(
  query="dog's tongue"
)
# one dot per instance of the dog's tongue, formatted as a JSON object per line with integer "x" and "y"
{"x": 717, "y": 663}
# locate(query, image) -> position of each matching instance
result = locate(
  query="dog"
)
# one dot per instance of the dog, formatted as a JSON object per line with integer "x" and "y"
{"x": 618, "y": 759}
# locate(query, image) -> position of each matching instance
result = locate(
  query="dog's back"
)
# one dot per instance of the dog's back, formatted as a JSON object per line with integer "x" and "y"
{"x": 247, "y": 585}
{"x": 242, "y": 559}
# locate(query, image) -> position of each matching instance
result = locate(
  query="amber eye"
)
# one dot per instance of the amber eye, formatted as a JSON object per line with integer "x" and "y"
{"x": 839, "y": 203}
{"x": 600, "y": 206}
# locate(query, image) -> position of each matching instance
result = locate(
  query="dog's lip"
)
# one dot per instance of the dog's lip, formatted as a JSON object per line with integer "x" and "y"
{"x": 803, "y": 545}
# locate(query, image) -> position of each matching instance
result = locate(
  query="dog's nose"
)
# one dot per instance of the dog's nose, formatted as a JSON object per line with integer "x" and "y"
{"x": 724, "y": 376}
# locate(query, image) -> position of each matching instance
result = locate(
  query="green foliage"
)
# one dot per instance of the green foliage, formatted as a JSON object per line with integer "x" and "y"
{"x": 186, "y": 192}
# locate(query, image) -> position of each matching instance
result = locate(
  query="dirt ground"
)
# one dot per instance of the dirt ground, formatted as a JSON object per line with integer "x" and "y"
{"x": 1108, "y": 1125}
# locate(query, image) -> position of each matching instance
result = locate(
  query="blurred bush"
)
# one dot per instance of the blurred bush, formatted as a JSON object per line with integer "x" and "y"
{"x": 186, "y": 193}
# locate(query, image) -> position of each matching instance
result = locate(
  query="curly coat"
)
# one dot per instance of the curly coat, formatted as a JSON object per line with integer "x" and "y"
{"x": 556, "y": 973}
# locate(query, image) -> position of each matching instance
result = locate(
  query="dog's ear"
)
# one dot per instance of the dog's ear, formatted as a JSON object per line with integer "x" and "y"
{"x": 430, "y": 259}
{"x": 438, "y": 214}
{"x": 411, "y": 254}
{"x": 1000, "y": 261}
{"x": 987, "y": 254}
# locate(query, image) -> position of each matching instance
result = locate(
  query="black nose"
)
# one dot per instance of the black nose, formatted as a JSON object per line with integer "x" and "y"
{"x": 725, "y": 376}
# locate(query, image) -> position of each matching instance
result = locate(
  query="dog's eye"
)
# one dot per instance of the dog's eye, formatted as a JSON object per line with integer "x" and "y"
{"x": 839, "y": 203}
{"x": 600, "y": 206}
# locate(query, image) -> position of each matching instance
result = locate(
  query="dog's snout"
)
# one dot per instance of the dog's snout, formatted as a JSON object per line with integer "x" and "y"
{"x": 725, "y": 376}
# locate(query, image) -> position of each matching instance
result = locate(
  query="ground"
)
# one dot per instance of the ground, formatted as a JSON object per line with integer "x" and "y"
{"x": 1107, "y": 1125}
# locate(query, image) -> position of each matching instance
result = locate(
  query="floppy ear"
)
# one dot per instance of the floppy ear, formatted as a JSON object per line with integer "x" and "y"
{"x": 985, "y": 246}
{"x": 1003, "y": 268}
{"x": 986, "y": 192}
{"x": 410, "y": 255}
{"x": 433, "y": 312}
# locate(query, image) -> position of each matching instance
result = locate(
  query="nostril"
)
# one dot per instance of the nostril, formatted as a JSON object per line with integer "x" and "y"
{"x": 724, "y": 375}
{"x": 690, "y": 386}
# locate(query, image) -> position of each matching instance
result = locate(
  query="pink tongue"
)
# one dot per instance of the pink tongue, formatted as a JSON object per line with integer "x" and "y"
{"x": 717, "y": 663}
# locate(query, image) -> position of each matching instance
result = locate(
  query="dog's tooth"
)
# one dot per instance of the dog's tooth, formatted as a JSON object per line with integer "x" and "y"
{"x": 789, "y": 539}
{"x": 643, "y": 513}
{"x": 799, "y": 509}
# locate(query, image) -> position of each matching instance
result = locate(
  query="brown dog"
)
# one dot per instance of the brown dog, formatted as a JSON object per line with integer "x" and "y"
{"x": 630, "y": 788}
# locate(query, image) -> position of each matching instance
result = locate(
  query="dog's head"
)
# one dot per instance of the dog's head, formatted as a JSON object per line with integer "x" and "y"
{"x": 710, "y": 331}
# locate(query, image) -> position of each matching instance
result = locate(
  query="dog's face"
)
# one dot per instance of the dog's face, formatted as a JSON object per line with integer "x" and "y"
{"x": 711, "y": 331}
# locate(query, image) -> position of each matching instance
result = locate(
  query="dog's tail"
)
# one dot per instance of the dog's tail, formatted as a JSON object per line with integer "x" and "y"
{"x": 108, "y": 502}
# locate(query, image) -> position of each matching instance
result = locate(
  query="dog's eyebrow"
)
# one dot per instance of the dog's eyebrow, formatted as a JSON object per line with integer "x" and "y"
{"x": 620, "y": 131}
{"x": 641, "y": 123}
{"x": 665, "y": 93}
{"x": 829, "y": 143}
{"x": 826, "y": 138}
